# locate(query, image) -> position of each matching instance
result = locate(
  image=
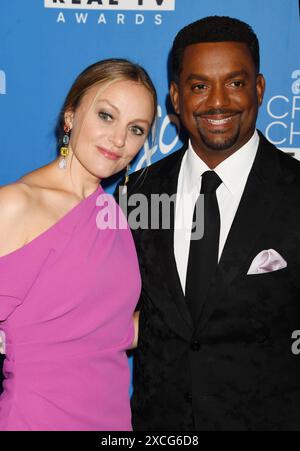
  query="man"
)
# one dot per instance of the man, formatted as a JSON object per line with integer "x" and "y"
{"x": 217, "y": 314}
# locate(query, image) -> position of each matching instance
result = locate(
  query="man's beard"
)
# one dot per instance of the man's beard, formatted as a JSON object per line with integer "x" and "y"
{"x": 219, "y": 145}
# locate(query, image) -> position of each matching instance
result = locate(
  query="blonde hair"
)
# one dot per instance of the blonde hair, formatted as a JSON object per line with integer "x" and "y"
{"x": 99, "y": 73}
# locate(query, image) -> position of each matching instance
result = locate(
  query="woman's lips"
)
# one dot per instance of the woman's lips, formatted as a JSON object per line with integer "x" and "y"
{"x": 108, "y": 154}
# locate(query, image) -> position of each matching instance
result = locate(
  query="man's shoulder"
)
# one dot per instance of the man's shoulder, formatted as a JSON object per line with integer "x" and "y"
{"x": 289, "y": 165}
{"x": 160, "y": 165}
{"x": 156, "y": 170}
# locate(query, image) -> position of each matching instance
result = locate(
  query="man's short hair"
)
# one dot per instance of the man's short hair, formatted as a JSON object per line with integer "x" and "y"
{"x": 213, "y": 29}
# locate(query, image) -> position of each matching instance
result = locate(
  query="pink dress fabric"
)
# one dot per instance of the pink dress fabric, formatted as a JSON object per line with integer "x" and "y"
{"x": 66, "y": 305}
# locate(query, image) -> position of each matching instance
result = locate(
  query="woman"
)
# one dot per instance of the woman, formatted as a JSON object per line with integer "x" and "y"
{"x": 68, "y": 289}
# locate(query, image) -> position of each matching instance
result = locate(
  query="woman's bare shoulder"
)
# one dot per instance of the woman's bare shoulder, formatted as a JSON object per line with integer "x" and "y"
{"x": 15, "y": 209}
{"x": 15, "y": 199}
{"x": 24, "y": 210}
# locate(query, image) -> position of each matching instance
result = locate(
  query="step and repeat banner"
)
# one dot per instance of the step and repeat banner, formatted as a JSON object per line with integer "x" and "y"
{"x": 44, "y": 44}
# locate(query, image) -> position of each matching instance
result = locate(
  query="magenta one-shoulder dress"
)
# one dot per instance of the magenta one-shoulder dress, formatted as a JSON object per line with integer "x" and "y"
{"x": 66, "y": 304}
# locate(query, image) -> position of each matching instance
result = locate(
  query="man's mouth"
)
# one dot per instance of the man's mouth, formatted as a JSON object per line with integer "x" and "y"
{"x": 223, "y": 121}
{"x": 217, "y": 120}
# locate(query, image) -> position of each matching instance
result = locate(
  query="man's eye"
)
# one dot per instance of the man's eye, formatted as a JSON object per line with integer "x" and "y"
{"x": 105, "y": 116}
{"x": 237, "y": 83}
{"x": 199, "y": 87}
{"x": 137, "y": 130}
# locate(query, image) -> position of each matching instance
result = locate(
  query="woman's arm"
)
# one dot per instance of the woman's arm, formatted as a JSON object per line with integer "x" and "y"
{"x": 136, "y": 317}
{"x": 2, "y": 342}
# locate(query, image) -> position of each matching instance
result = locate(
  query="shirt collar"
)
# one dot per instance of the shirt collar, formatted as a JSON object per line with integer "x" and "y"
{"x": 233, "y": 171}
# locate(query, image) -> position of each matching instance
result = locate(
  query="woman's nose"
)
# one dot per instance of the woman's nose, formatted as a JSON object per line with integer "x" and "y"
{"x": 118, "y": 137}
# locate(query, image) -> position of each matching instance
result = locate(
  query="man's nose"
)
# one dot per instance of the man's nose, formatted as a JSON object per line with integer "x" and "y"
{"x": 218, "y": 97}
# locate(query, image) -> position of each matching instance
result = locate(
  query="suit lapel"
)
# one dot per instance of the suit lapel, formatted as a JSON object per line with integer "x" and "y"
{"x": 164, "y": 239}
{"x": 261, "y": 196}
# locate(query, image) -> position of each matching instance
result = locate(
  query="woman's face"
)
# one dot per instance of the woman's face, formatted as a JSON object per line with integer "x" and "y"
{"x": 110, "y": 126}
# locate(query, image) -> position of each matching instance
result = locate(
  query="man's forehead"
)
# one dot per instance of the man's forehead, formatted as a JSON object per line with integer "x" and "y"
{"x": 202, "y": 47}
{"x": 218, "y": 55}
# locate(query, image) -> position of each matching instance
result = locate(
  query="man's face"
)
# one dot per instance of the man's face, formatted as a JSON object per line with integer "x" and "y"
{"x": 218, "y": 96}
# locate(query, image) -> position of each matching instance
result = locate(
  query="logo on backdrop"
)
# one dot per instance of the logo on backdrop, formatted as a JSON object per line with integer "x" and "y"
{"x": 153, "y": 5}
{"x": 284, "y": 111}
{"x": 163, "y": 139}
{"x": 2, "y": 82}
{"x": 112, "y": 5}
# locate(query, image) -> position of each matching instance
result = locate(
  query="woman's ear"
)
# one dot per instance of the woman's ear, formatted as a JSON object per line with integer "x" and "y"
{"x": 69, "y": 116}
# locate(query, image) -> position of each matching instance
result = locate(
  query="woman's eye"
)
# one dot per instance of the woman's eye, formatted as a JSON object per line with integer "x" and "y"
{"x": 137, "y": 130}
{"x": 105, "y": 116}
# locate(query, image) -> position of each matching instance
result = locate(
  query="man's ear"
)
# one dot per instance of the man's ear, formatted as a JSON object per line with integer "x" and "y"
{"x": 69, "y": 116}
{"x": 260, "y": 88}
{"x": 174, "y": 94}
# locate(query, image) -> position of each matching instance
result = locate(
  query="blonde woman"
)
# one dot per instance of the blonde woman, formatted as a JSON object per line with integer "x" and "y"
{"x": 68, "y": 289}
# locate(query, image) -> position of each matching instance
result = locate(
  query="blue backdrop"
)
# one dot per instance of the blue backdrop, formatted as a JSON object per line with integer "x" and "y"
{"x": 45, "y": 44}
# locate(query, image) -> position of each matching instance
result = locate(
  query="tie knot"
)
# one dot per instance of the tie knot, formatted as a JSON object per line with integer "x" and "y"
{"x": 210, "y": 182}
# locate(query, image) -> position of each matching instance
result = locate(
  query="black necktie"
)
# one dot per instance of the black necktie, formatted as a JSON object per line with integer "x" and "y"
{"x": 203, "y": 254}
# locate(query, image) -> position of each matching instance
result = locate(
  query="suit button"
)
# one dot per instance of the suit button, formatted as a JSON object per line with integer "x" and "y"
{"x": 188, "y": 397}
{"x": 195, "y": 346}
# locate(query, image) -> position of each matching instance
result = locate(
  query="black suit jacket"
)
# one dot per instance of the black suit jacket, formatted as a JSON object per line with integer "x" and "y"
{"x": 236, "y": 369}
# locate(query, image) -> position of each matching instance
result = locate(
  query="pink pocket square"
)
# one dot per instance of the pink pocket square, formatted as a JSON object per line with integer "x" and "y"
{"x": 267, "y": 261}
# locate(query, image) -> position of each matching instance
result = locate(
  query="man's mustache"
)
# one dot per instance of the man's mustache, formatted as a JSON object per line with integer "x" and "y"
{"x": 214, "y": 112}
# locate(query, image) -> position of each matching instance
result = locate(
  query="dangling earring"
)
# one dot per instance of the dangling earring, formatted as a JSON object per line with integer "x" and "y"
{"x": 124, "y": 190}
{"x": 127, "y": 174}
{"x": 64, "y": 150}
